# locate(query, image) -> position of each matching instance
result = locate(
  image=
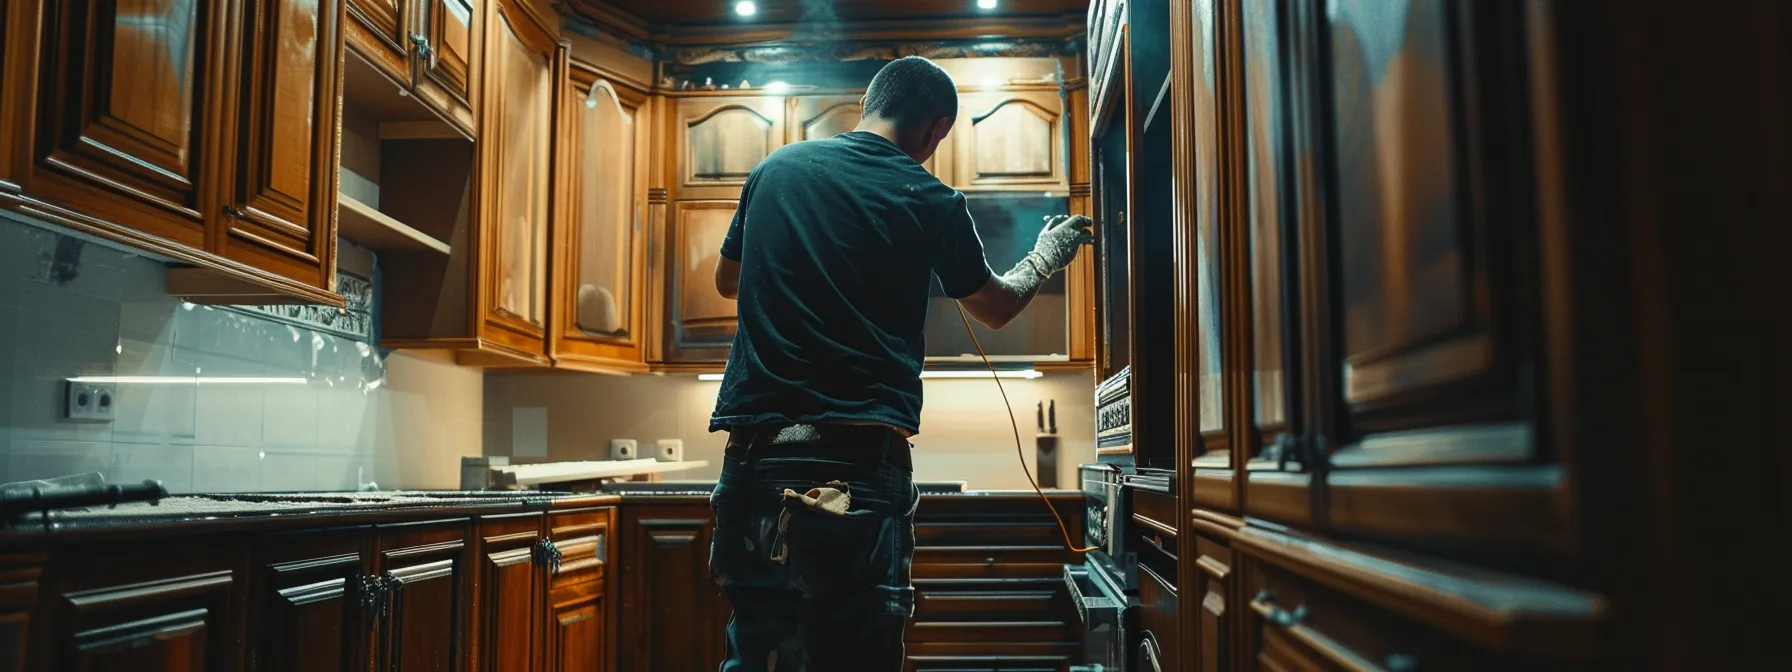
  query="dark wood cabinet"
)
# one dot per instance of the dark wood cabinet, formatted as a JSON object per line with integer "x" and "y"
{"x": 674, "y": 615}
{"x": 179, "y": 608}
{"x": 445, "y": 48}
{"x": 19, "y": 575}
{"x": 380, "y": 33}
{"x": 581, "y": 622}
{"x": 426, "y": 589}
{"x": 314, "y": 601}
{"x": 511, "y": 564}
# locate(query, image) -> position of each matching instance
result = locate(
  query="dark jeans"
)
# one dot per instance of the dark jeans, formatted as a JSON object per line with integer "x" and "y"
{"x": 840, "y": 598}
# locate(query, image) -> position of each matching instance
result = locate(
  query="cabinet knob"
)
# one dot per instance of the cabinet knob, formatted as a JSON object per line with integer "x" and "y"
{"x": 427, "y": 52}
{"x": 234, "y": 213}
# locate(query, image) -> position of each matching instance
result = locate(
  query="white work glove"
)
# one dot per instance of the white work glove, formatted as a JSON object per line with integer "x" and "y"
{"x": 1058, "y": 243}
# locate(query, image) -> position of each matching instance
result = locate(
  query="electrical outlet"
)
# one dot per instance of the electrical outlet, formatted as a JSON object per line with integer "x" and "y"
{"x": 623, "y": 449}
{"x": 89, "y": 402}
{"x": 670, "y": 450}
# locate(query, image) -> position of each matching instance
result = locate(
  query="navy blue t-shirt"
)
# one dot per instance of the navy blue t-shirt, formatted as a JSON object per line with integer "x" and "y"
{"x": 838, "y": 240}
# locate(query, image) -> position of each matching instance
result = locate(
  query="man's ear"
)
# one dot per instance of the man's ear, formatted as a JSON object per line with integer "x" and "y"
{"x": 862, "y": 101}
{"x": 941, "y": 127}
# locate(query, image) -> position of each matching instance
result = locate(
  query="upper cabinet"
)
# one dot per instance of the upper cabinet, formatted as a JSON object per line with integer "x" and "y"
{"x": 428, "y": 47}
{"x": 516, "y": 158}
{"x": 720, "y": 140}
{"x": 600, "y": 244}
{"x": 443, "y": 62}
{"x": 202, "y": 132}
{"x": 1010, "y": 141}
{"x": 279, "y": 212}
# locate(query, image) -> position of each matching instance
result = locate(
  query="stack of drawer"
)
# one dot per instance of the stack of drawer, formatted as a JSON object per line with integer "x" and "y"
{"x": 989, "y": 585}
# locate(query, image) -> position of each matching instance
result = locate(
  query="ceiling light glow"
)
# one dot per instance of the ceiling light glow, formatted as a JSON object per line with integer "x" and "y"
{"x": 986, "y": 4}
{"x": 777, "y": 87}
{"x": 746, "y": 8}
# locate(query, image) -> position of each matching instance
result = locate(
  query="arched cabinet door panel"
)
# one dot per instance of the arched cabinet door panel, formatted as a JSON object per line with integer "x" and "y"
{"x": 720, "y": 140}
{"x": 1010, "y": 141}
{"x": 600, "y": 281}
{"x": 821, "y": 117}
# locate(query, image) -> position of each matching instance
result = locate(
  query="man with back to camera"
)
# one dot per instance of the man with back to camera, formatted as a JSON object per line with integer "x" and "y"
{"x": 830, "y": 255}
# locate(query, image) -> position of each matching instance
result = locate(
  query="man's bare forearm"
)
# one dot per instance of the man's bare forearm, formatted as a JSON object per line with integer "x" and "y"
{"x": 1008, "y": 295}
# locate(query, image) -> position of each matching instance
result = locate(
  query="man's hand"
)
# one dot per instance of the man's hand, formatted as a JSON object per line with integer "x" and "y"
{"x": 1005, "y": 296}
{"x": 1058, "y": 243}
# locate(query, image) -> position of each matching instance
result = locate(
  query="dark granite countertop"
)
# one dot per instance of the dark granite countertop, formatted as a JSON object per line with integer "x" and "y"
{"x": 221, "y": 509}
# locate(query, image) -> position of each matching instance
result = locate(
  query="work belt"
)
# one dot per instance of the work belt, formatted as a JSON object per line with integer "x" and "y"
{"x": 832, "y": 441}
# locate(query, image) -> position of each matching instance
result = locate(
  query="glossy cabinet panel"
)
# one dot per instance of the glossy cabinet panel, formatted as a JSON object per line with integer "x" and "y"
{"x": 521, "y": 213}
{"x": 1009, "y": 141}
{"x": 280, "y": 213}
{"x": 380, "y": 31}
{"x": 310, "y": 596}
{"x": 703, "y": 320}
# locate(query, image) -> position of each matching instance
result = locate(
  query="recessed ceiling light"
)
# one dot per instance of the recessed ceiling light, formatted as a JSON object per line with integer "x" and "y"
{"x": 776, "y": 87}
{"x": 746, "y": 8}
{"x": 986, "y": 4}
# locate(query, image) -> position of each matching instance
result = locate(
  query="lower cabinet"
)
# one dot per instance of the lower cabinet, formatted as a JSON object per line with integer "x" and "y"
{"x": 1158, "y": 650}
{"x": 506, "y": 592}
{"x": 673, "y": 615}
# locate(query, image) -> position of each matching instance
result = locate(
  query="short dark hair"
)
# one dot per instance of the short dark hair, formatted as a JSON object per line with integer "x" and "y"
{"x": 912, "y": 91}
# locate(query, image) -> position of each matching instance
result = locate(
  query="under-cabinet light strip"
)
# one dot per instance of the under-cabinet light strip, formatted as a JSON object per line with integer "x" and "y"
{"x": 190, "y": 380}
{"x": 1028, "y": 374}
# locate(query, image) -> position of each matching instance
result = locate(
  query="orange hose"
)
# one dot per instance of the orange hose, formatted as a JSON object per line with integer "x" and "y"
{"x": 1019, "y": 452}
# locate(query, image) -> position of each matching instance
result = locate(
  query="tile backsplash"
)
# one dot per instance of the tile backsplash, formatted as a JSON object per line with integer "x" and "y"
{"x": 211, "y": 399}
{"x": 965, "y": 433}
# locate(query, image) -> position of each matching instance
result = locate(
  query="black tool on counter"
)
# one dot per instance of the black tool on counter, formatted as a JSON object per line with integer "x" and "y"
{"x": 1046, "y": 445}
{"x": 46, "y": 496}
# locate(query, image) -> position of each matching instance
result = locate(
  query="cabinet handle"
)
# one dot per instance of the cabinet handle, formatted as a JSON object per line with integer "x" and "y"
{"x": 234, "y": 213}
{"x": 1148, "y": 652}
{"x": 603, "y": 548}
{"x": 547, "y": 554}
{"x": 1265, "y": 602}
{"x": 370, "y": 592}
{"x": 423, "y": 49}
{"x": 390, "y": 589}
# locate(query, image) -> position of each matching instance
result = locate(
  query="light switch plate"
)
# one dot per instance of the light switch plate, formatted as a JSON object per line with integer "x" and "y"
{"x": 670, "y": 450}
{"x": 623, "y": 449}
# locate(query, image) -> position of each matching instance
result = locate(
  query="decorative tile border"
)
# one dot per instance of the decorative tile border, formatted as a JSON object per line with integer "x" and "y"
{"x": 354, "y": 321}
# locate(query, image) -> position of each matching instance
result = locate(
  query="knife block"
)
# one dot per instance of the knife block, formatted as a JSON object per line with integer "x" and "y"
{"x": 1046, "y": 459}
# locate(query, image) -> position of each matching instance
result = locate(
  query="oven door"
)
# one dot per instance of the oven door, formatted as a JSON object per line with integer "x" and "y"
{"x": 1102, "y": 610}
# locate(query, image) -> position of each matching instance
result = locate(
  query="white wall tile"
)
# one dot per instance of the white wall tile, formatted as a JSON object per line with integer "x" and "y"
{"x": 154, "y": 412}
{"x": 61, "y": 335}
{"x": 226, "y": 469}
{"x": 340, "y": 472}
{"x": 289, "y": 415}
{"x": 284, "y": 472}
{"x": 134, "y": 463}
{"x": 227, "y": 415}
{"x": 35, "y": 460}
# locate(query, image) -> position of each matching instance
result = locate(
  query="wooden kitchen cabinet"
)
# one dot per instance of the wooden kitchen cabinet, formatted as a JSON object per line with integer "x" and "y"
{"x": 430, "y": 48}
{"x": 510, "y": 586}
{"x": 581, "y": 621}
{"x": 179, "y": 608}
{"x": 199, "y": 132}
{"x": 1009, "y": 141}
{"x": 280, "y": 214}
{"x": 673, "y": 615}
{"x": 426, "y": 586}
{"x": 721, "y": 139}
{"x": 314, "y": 598}
{"x": 703, "y": 322}
{"x": 600, "y": 278}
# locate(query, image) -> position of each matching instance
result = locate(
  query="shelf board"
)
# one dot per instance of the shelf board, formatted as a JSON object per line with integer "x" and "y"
{"x": 372, "y": 228}
{"x": 1163, "y": 94}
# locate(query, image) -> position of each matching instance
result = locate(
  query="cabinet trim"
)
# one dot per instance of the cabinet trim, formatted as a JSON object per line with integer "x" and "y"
{"x": 1505, "y": 613}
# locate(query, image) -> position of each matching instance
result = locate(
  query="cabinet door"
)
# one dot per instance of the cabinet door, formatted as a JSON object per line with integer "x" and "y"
{"x": 378, "y": 30}
{"x": 509, "y": 580}
{"x": 19, "y": 576}
{"x": 281, "y": 209}
{"x": 171, "y": 608}
{"x": 821, "y": 117}
{"x": 516, "y": 180}
{"x": 579, "y": 626}
{"x": 1010, "y": 141}
{"x": 673, "y": 615}
{"x": 1157, "y": 649}
{"x": 446, "y": 41}
{"x": 720, "y": 140}
{"x": 600, "y": 253}
{"x": 576, "y": 628}
{"x": 703, "y": 321}
{"x": 425, "y": 583}
{"x": 1427, "y": 247}
{"x": 313, "y": 593}
{"x": 1213, "y": 595}
{"x": 124, "y": 127}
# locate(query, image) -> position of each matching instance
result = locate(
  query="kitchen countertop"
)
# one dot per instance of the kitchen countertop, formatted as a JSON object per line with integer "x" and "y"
{"x": 220, "y": 510}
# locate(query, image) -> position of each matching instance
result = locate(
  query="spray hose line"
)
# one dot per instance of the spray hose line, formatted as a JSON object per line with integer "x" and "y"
{"x": 1019, "y": 451}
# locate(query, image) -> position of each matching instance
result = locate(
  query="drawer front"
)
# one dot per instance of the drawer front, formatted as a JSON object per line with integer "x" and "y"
{"x": 583, "y": 539}
{"x": 987, "y": 533}
{"x": 990, "y": 657}
{"x": 1157, "y": 650}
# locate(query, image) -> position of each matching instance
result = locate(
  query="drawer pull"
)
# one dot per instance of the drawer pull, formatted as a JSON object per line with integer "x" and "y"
{"x": 1148, "y": 654}
{"x": 1265, "y": 602}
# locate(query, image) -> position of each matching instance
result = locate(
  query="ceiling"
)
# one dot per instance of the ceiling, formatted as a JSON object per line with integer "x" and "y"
{"x": 721, "y": 12}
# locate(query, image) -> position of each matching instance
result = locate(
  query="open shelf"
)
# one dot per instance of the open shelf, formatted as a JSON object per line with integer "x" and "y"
{"x": 361, "y": 223}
